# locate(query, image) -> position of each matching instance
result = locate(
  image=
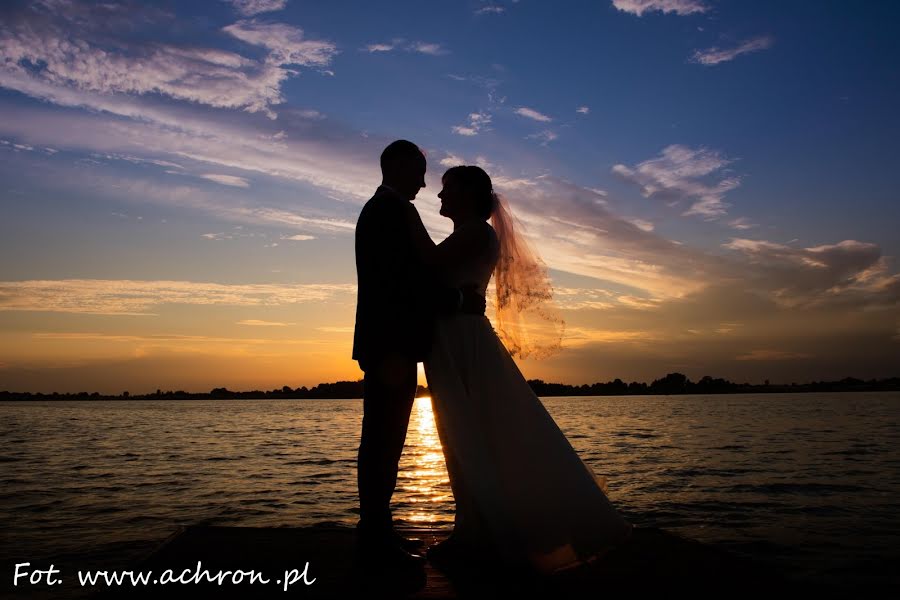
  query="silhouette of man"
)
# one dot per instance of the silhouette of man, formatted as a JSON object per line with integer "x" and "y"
{"x": 396, "y": 306}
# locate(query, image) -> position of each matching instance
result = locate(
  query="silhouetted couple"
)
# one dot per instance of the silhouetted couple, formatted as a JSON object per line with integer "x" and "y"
{"x": 523, "y": 496}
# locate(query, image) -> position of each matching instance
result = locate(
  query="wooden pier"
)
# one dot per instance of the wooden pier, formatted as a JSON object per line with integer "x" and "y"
{"x": 654, "y": 561}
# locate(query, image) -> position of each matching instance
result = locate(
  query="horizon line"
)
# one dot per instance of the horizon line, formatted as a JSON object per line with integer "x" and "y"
{"x": 668, "y": 380}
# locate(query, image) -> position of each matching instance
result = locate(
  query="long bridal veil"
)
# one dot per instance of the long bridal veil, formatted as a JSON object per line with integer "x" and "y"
{"x": 528, "y": 321}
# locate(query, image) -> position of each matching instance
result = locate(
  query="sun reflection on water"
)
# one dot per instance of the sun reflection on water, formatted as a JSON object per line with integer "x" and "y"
{"x": 423, "y": 495}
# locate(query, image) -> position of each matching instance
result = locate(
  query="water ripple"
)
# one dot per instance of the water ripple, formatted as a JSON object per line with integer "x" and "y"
{"x": 805, "y": 478}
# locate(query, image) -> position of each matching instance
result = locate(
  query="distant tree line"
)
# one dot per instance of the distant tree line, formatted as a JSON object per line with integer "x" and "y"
{"x": 673, "y": 383}
{"x": 678, "y": 383}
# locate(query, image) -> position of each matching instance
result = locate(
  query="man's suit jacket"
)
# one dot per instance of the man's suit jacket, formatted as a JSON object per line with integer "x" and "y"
{"x": 394, "y": 309}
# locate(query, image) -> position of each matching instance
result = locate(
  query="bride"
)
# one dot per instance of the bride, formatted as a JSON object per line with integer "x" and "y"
{"x": 523, "y": 495}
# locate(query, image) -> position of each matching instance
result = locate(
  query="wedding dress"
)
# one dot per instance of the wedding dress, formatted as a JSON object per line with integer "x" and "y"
{"x": 521, "y": 490}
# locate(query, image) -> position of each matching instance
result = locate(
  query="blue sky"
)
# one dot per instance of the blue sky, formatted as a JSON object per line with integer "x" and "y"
{"x": 710, "y": 182}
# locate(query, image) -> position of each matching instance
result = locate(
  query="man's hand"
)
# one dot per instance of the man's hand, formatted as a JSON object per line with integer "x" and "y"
{"x": 473, "y": 302}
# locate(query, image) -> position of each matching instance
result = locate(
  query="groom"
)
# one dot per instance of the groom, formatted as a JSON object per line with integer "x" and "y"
{"x": 396, "y": 306}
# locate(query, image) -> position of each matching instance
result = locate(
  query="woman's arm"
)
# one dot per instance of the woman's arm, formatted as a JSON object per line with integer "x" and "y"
{"x": 422, "y": 242}
{"x": 436, "y": 257}
{"x": 461, "y": 245}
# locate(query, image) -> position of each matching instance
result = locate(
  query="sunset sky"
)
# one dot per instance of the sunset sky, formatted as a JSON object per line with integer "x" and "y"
{"x": 712, "y": 183}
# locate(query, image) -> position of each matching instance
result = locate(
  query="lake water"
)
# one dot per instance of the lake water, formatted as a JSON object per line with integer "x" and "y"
{"x": 810, "y": 481}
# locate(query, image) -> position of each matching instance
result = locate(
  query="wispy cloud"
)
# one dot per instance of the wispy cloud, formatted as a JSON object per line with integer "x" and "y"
{"x": 530, "y": 113}
{"x": 220, "y": 205}
{"x": 343, "y": 166}
{"x": 230, "y": 180}
{"x": 770, "y": 355}
{"x": 131, "y": 297}
{"x": 846, "y": 272}
{"x": 478, "y": 122}
{"x": 13, "y": 146}
{"x": 300, "y": 237}
{"x": 259, "y": 323}
{"x": 399, "y": 44}
{"x": 162, "y": 337}
{"x": 641, "y": 224}
{"x": 248, "y": 8}
{"x": 679, "y": 173}
{"x": 307, "y": 113}
{"x": 544, "y": 137}
{"x": 568, "y": 298}
{"x": 47, "y": 54}
{"x": 16, "y": 147}
{"x": 679, "y": 7}
{"x": 741, "y": 223}
{"x": 285, "y": 43}
{"x": 583, "y": 110}
{"x": 336, "y": 329}
{"x": 451, "y": 160}
{"x": 715, "y": 56}
{"x": 428, "y": 48}
{"x": 490, "y": 10}
{"x": 380, "y": 47}
{"x": 580, "y": 336}
{"x": 139, "y": 160}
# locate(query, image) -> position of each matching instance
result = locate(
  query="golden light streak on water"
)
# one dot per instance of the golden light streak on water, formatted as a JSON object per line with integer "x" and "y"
{"x": 424, "y": 484}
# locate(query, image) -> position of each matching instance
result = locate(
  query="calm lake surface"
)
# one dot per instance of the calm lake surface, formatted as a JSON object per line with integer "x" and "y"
{"x": 811, "y": 481}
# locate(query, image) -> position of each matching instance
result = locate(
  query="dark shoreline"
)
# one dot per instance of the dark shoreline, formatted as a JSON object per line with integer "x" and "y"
{"x": 671, "y": 384}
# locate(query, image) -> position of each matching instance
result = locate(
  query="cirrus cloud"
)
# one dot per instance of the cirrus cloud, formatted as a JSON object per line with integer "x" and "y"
{"x": 714, "y": 56}
{"x": 679, "y": 173}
